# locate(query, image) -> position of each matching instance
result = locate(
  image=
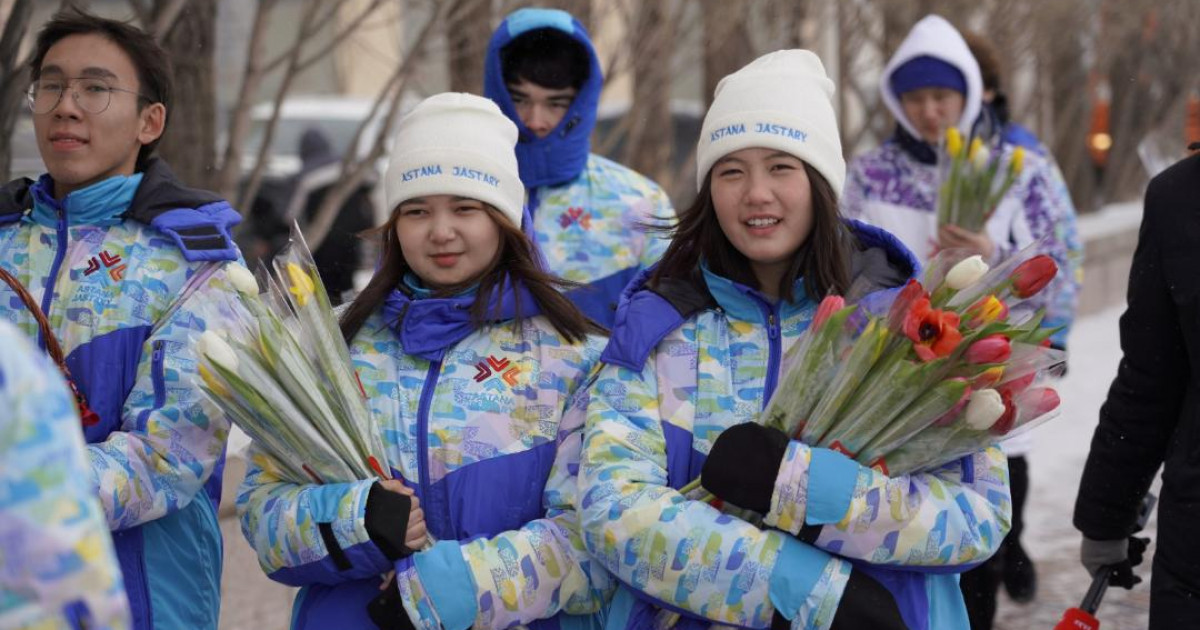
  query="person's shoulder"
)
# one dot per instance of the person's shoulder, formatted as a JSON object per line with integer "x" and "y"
{"x": 617, "y": 176}
{"x": 198, "y": 222}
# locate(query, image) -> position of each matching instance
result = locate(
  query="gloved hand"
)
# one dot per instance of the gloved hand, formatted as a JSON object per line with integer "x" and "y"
{"x": 387, "y": 611}
{"x": 1118, "y": 557}
{"x": 389, "y": 517}
{"x": 742, "y": 465}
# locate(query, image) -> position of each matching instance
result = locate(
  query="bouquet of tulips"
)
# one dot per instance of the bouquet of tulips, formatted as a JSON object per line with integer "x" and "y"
{"x": 939, "y": 375}
{"x": 281, "y": 371}
{"x": 974, "y": 181}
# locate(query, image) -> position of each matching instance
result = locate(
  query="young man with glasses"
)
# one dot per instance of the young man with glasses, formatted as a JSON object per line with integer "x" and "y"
{"x": 128, "y": 265}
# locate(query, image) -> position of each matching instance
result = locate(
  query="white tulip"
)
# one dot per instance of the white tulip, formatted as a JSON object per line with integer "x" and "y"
{"x": 966, "y": 273}
{"x": 984, "y": 409}
{"x": 242, "y": 280}
{"x": 217, "y": 350}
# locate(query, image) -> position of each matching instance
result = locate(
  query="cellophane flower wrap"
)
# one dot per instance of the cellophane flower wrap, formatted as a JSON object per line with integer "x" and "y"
{"x": 975, "y": 176}
{"x": 279, "y": 367}
{"x": 937, "y": 375}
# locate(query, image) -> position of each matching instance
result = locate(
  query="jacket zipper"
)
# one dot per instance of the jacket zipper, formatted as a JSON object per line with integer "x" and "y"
{"x": 774, "y": 353}
{"x": 52, "y": 279}
{"x": 431, "y": 378}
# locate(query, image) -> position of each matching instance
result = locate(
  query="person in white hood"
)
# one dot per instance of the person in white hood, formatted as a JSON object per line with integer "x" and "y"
{"x": 930, "y": 84}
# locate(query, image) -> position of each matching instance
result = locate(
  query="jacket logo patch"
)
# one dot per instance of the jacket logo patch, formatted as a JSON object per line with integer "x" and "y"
{"x": 112, "y": 263}
{"x": 497, "y": 367}
{"x": 577, "y": 216}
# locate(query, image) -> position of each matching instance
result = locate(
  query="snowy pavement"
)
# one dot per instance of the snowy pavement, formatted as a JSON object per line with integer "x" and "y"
{"x": 1055, "y": 467}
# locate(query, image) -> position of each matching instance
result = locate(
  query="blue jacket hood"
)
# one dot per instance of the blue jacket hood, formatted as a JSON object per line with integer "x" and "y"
{"x": 562, "y": 155}
{"x": 646, "y": 315}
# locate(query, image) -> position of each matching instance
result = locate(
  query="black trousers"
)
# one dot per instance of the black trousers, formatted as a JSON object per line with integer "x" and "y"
{"x": 979, "y": 585}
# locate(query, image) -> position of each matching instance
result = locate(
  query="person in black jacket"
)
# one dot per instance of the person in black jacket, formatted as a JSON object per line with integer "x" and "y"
{"x": 1152, "y": 415}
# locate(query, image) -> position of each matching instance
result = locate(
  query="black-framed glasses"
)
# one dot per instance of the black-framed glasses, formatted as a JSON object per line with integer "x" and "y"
{"x": 93, "y": 95}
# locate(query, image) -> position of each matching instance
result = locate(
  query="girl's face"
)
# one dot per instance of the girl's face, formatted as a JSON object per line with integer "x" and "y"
{"x": 763, "y": 202}
{"x": 447, "y": 240}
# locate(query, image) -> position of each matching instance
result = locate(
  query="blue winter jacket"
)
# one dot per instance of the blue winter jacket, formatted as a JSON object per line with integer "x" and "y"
{"x": 589, "y": 213}
{"x": 485, "y": 424}
{"x": 126, "y": 270}
{"x": 695, "y": 356}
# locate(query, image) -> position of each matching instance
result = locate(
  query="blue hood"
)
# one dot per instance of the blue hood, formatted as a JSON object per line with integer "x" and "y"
{"x": 561, "y": 156}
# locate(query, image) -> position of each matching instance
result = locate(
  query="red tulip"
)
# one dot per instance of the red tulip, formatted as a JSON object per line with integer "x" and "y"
{"x": 1040, "y": 400}
{"x": 990, "y": 349}
{"x": 934, "y": 332}
{"x": 830, "y": 305}
{"x": 1033, "y": 275}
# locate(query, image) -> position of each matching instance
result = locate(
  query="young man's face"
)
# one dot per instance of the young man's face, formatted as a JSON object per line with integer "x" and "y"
{"x": 81, "y": 147}
{"x": 932, "y": 110}
{"x": 540, "y": 108}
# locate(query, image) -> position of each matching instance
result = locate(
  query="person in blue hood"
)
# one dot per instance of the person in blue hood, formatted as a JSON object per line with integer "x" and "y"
{"x": 697, "y": 352}
{"x": 589, "y": 213}
{"x": 475, "y": 365}
{"x": 128, "y": 266}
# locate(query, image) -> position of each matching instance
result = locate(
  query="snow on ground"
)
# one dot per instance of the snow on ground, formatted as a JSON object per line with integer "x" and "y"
{"x": 1055, "y": 466}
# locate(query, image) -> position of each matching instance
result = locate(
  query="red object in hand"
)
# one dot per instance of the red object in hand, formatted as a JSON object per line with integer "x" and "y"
{"x": 1075, "y": 619}
{"x": 1033, "y": 275}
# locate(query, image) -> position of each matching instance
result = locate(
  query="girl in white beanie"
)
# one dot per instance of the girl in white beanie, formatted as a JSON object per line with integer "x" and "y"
{"x": 474, "y": 362}
{"x": 694, "y": 357}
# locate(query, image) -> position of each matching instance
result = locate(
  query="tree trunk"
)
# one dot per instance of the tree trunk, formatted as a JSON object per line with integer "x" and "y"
{"x": 1066, "y": 79}
{"x": 727, "y": 44}
{"x": 13, "y": 77}
{"x": 190, "y": 147}
{"x": 468, "y": 30}
{"x": 649, "y": 147}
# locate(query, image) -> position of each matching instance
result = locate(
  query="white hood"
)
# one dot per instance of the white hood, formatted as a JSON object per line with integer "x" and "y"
{"x": 934, "y": 37}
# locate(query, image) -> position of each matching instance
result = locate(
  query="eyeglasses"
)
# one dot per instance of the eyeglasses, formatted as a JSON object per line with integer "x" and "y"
{"x": 92, "y": 95}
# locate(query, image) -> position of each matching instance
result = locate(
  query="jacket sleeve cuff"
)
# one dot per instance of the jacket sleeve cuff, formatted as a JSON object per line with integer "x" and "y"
{"x": 815, "y": 487}
{"x": 807, "y": 584}
{"x": 438, "y": 588}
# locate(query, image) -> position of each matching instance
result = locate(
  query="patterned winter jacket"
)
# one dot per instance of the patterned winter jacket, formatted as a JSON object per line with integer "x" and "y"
{"x": 126, "y": 270}
{"x": 589, "y": 213}
{"x": 57, "y": 566}
{"x": 695, "y": 357}
{"x": 485, "y": 424}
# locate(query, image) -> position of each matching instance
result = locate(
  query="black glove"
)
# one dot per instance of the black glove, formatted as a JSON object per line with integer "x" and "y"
{"x": 743, "y": 464}
{"x": 1117, "y": 557}
{"x": 387, "y": 611}
{"x": 865, "y": 604}
{"x": 386, "y": 520}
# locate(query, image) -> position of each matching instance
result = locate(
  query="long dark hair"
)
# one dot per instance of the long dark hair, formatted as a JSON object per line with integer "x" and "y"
{"x": 515, "y": 261}
{"x": 823, "y": 260}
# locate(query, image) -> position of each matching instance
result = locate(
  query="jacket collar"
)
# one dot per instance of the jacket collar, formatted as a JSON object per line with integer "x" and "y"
{"x": 427, "y": 326}
{"x": 102, "y": 203}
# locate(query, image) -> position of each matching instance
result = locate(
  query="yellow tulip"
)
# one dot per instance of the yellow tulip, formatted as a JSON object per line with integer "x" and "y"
{"x": 1018, "y": 159}
{"x": 302, "y": 284}
{"x": 954, "y": 142}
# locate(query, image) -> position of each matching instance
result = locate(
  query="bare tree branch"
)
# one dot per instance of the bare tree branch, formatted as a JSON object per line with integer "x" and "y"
{"x": 336, "y": 41}
{"x": 12, "y": 75}
{"x": 250, "y": 191}
{"x": 166, "y": 14}
{"x": 239, "y": 124}
{"x": 355, "y": 172}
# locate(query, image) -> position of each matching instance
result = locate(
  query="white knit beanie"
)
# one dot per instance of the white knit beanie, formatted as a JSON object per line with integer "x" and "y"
{"x": 456, "y": 144}
{"x": 782, "y": 100}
